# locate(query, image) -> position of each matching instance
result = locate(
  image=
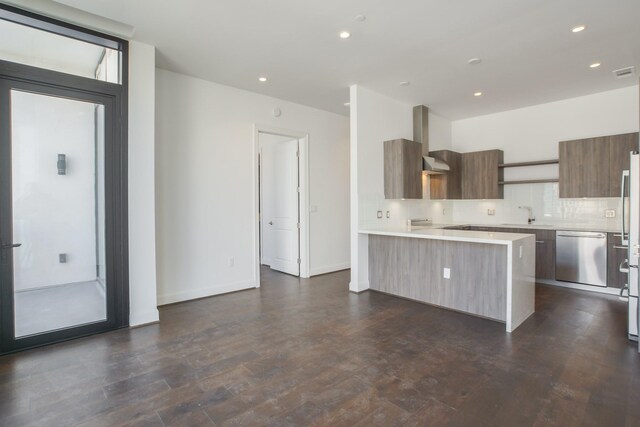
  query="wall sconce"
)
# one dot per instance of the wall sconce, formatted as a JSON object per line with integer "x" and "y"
{"x": 62, "y": 164}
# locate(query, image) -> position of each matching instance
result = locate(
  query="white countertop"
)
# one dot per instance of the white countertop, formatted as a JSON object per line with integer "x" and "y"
{"x": 435, "y": 233}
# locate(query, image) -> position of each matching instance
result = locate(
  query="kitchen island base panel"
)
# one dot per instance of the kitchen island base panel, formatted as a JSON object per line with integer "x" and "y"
{"x": 487, "y": 280}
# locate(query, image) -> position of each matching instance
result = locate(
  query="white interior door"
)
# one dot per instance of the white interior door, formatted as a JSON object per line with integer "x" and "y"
{"x": 279, "y": 194}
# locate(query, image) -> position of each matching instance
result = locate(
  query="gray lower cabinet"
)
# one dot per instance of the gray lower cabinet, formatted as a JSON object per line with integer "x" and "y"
{"x": 616, "y": 255}
{"x": 545, "y": 254}
{"x": 402, "y": 169}
{"x": 545, "y": 248}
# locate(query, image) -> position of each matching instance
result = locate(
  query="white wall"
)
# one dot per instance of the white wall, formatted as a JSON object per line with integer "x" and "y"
{"x": 206, "y": 185}
{"x": 53, "y": 214}
{"x": 533, "y": 133}
{"x": 374, "y": 119}
{"x": 142, "y": 194}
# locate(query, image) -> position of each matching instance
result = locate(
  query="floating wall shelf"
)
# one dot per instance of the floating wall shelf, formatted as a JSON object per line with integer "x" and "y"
{"x": 533, "y": 163}
{"x": 528, "y": 181}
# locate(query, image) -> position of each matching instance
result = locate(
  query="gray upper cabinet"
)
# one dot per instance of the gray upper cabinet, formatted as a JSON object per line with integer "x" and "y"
{"x": 402, "y": 169}
{"x": 584, "y": 167}
{"x": 592, "y": 167}
{"x": 447, "y": 186}
{"x": 620, "y": 146}
{"x": 481, "y": 175}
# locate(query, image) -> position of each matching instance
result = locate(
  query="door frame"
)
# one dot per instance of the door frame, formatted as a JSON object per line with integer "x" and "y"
{"x": 303, "y": 200}
{"x": 116, "y": 198}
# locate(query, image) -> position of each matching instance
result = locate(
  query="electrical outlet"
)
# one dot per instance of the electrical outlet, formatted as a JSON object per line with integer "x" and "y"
{"x": 388, "y": 214}
{"x": 446, "y": 273}
{"x": 62, "y": 258}
{"x": 379, "y": 214}
{"x": 444, "y": 211}
{"x": 231, "y": 261}
{"x": 491, "y": 212}
{"x": 610, "y": 213}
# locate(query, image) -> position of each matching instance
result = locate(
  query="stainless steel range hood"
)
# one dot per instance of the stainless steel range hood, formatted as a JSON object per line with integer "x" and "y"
{"x": 434, "y": 166}
{"x": 430, "y": 165}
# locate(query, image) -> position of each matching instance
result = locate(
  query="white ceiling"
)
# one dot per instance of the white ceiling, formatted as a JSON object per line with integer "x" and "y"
{"x": 529, "y": 54}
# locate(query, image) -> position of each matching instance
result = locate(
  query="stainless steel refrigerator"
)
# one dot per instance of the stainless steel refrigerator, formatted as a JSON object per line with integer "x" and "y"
{"x": 631, "y": 237}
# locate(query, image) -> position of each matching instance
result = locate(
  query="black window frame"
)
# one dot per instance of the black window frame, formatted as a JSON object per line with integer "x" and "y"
{"x": 118, "y": 315}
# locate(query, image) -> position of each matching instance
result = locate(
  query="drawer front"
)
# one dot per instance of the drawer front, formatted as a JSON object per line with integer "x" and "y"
{"x": 616, "y": 254}
{"x": 633, "y": 316}
{"x": 545, "y": 259}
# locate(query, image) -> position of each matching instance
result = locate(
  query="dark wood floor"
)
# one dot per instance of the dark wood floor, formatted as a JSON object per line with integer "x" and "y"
{"x": 303, "y": 352}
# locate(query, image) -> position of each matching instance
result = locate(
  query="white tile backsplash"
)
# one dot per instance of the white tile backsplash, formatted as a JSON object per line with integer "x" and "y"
{"x": 548, "y": 208}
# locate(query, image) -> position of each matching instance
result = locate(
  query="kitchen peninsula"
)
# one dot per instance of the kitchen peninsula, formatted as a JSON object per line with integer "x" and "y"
{"x": 486, "y": 274}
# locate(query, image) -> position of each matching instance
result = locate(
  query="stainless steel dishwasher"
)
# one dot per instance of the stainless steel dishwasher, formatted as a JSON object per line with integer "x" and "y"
{"x": 581, "y": 257}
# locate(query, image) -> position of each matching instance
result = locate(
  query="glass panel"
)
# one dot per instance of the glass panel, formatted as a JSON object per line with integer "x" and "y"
{"x": 58, "y": 212}
{"x": 38, "y": 48}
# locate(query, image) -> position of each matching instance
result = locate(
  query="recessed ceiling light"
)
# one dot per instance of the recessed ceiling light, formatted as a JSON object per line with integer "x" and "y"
{"x": 262, "y": 79}
{"x": 474, "y": 61}
{"x": 405, "y": 83}
{"x": 578, "y": 28}
{"x": 360, "y": 18}
{"x": 477, "y": 94}
{"x": 345, "y": 34}
{"x": 594, "y": 65}
{"x": 346, "y": 104}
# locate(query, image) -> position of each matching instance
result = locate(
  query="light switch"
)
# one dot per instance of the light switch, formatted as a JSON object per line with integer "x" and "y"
{"x": 446, "y": 273}
{"x": 379, "y": 214}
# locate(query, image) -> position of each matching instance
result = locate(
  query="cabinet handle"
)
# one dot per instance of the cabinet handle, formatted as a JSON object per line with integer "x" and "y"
{"x": 620, "y": 247}
{"x": 624, "y": 266}
{"x": 11, "y": 245}
{"x": 539, "y": 241}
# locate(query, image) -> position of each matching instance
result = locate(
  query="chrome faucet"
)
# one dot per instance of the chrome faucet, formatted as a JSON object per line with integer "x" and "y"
{"x": 530, "y": 218}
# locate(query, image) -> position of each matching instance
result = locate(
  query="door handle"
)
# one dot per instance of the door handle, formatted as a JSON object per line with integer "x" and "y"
{"x": 11, "y": 245}
{"x": 270, "y": 222}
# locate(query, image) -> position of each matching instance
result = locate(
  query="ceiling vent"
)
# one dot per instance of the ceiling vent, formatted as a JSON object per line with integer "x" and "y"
{"x": 624, "y": 72}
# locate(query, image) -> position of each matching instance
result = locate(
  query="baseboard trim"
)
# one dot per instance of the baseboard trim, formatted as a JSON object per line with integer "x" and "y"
{"x": 359, "y": 288}
{"x": 580, "y": 287}
{"x": 191, "y": 294}
{"x": 145, "y": 318}
{"x": 329, "y": 269}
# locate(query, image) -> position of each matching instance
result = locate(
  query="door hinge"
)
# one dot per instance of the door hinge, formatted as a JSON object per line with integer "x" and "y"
{"x": 299, "y": 261}
{"x": 298, "y": 225}
{"x": 297, "y": 154}
{"x": 299, "y": 189}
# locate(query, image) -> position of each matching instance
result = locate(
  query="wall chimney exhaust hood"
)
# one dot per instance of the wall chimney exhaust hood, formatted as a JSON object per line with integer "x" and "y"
{"x": 430, "y": 165}
{"x": 433, "y": 166}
